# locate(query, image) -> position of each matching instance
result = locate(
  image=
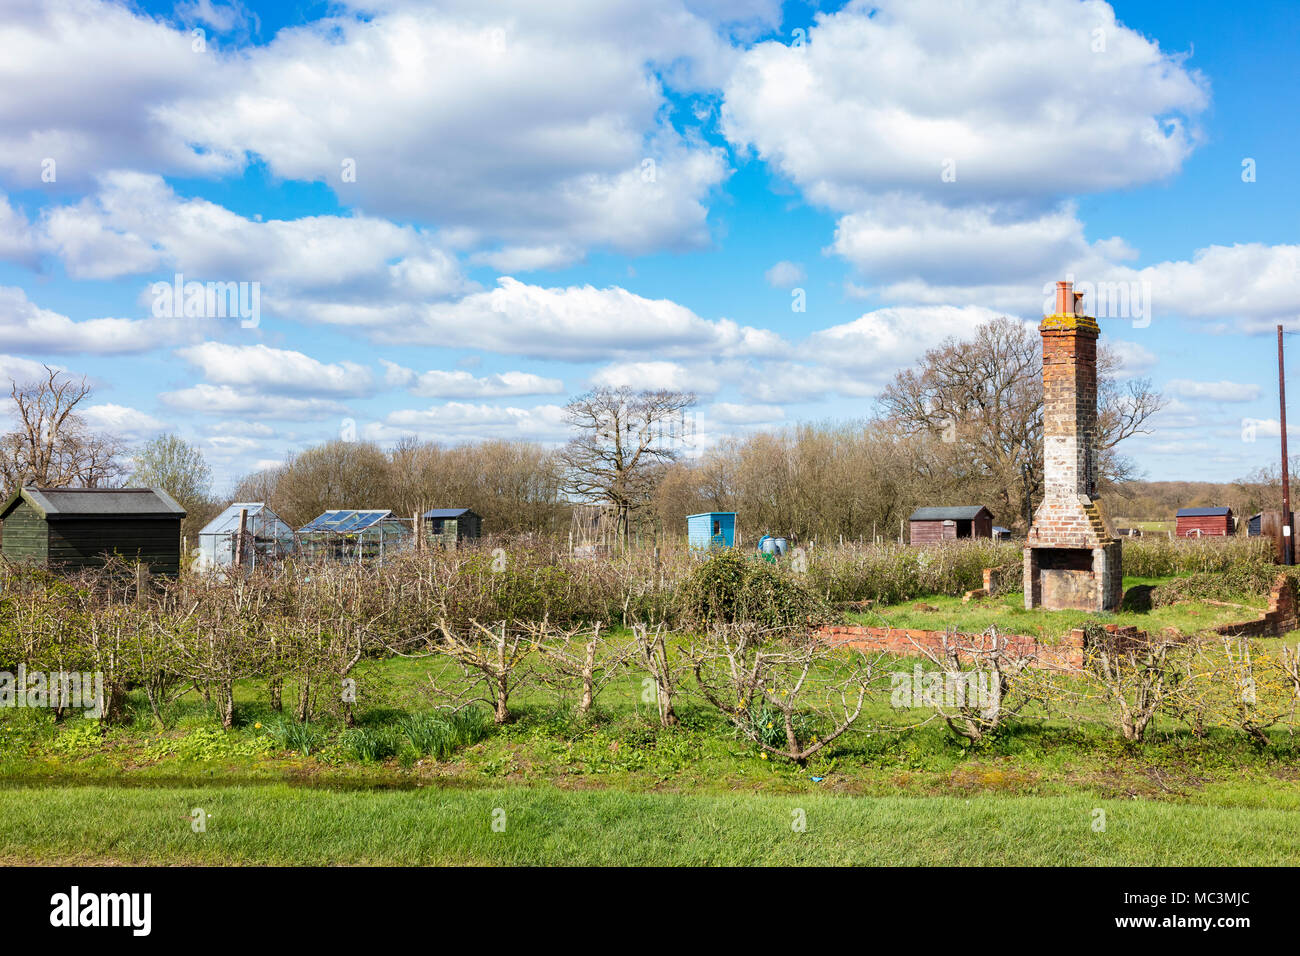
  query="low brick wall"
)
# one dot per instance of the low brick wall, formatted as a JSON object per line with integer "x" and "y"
{"x": 1277, "y": 620}
{"x": 1068, "y": 652}
{"x": 1065, "y": 654}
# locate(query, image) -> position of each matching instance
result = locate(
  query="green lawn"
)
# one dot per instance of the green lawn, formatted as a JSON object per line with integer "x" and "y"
{"x": 617, "y": 789}
{"x": 1009, "y": 615}
{"x": 548, "y": 826}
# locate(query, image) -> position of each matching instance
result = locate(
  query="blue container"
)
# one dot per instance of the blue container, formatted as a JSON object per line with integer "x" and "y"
{"x": 712, "y": 529}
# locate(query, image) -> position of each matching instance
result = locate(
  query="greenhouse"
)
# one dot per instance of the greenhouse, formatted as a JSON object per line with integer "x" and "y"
{"x": 265, "y": 537}
{"x": 352, "y": 535}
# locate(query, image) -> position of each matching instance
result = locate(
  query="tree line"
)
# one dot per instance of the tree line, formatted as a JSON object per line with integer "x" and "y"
{"x": 964, "y": 426}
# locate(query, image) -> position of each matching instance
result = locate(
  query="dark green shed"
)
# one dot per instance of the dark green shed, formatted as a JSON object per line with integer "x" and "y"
{"x": 76, "y": 527}
{"x": 447, "y": 527}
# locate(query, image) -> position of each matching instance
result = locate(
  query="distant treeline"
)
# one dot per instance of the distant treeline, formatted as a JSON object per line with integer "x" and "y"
{"x": 810, "y": 481}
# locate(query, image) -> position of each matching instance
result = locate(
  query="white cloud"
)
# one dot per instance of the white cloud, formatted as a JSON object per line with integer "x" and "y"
{"x": 25, "y": 327}
{"x": 882, "y": 94}
{"x": 437, "y": 383}
{"x": 253, "y": 429}
{"x": 136, "y": 223}
{"x": 129, "y": 423}
{"x": 528, "y": 258}
{"x": 1248, "y": 287}
{"x": 785, "y": 274}
{"x": 656, "y": 375}
{"x": 950, "y": 136}
{"x": 727, "y": 413}
{"x": 18, "y": 242}
{"x": 86, "y": 84}
{"x": 1134, "y": 357}
{"x": 881, "y": 341}
{"x": 206, "y": 399}
{"x": 526, "y": 123}
{"x": 901, "y": 238}
{"x": 578, "y": 323}
{"x": 278, "y": 371}
{"x": 232, "y": 447}
{"x": 21, "y": 370}
{"x": 1223, "y": 391}
{"x": 466, "y": 421}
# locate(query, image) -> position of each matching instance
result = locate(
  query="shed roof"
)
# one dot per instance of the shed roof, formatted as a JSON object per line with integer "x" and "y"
{"x": 447, "y": 512}
{"x": 707, "y": 514}
{"x": 1202, "y": 512}
{"x": 55, "y": 503}
{"x": 959, "y": 513}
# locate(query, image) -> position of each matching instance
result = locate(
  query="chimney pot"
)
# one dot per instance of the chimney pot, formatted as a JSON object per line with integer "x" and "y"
{"x": 1065, "y": 298}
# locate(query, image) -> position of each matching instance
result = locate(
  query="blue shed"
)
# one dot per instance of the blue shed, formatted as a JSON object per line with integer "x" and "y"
{"x": 712, "y": 529}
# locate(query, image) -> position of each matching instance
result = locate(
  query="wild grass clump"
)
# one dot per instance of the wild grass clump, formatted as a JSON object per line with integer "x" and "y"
{"x": 370, "y": 744}
{"x": 893, "y": 573}
{"x": 440, "y": 736}
{"x": 304, "y": 737}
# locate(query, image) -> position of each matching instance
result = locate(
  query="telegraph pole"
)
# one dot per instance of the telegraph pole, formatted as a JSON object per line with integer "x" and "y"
{"x": 1287, "y": 553}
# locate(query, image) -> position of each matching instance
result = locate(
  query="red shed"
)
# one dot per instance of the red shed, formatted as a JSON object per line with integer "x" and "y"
{"x": 1204, "y": 522}
{"x": 929, "y": 525}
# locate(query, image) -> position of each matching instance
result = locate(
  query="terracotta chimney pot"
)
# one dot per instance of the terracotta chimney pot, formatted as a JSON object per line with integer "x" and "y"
{"x": 1065, "y": 298}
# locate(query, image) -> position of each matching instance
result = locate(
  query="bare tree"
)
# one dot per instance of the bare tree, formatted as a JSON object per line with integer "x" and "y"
{"x": 1133, "y": 675}
{"x": 625, "y": 438}
{"x": 652, "y": 649}
{"x": 332, "y": 475}
{"x": 495, "y": 654}
{"x": 792, "y": 698}
{"x": 53, "y": 446}
{"x": 984, "y": 398}
{"x": 978, "y": 671}
{"x": 598, "y": 664}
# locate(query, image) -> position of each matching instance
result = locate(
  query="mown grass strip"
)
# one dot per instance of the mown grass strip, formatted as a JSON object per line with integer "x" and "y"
{"x": 549, "y": 826}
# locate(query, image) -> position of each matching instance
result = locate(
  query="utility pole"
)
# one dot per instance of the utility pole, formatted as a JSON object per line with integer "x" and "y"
{"x": 1288, "y": 557}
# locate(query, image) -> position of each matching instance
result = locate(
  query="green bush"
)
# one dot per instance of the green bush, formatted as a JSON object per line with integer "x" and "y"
{"x": 1243, "y": 580}
{"x": 730, "y": 587}
{"x": 893, "y": 573}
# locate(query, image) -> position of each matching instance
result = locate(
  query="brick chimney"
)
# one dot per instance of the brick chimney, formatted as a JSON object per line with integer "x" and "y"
{"x": 1072, "y": 555}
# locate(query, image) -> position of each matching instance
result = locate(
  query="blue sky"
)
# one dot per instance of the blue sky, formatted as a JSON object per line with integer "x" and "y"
{"x": 626, "y": 193}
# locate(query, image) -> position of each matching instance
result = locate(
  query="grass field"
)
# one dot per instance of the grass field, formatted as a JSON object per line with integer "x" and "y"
{"x": 548, "y": 826}
{"x": 1009, "y": 615}
{"x": 1147, "y": 526}
{"x": 615, "y": 788}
